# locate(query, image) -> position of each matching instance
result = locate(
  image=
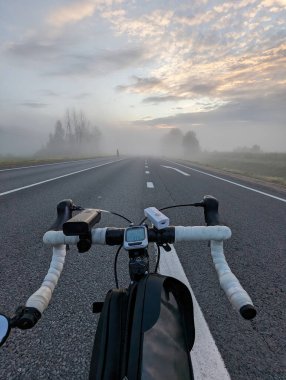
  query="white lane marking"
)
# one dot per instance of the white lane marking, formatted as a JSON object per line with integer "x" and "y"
{"x": 150, "y": 185}
{"x": 177, "y": 170}
{"x": 53, "y": 179}
{"x": 232, "y": 182}
{"x": 206, "y": 359}
{"x": 36, "y": 166}
{"x": 147, "y": 172}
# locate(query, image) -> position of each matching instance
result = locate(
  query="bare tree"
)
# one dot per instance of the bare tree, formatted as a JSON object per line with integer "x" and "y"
{"x": 77, "y": 138}
{"x": 68, "y": 124}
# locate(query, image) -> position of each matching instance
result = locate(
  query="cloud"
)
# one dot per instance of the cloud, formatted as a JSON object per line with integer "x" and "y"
{"x": 196, "y": 19}
{"x": 187, "y": 45}
{"x": 165, "y": 126}
{"x": 71, "y": 13}
{"x": 82, "y": 95}
{"x": 274, "y": 3}
{"x": 49, "y": 93}
{"x": 33, "y": 49}
{"x": 80, "y": 10}
{"x": 162, "y": 99}
{"x": 141, "y": 85}
{"x": 56, "y": 56}
{"x": 149, "y": 25}
{"x": 221, "y": 51}
{"x": 263, "y": 110}
{"x": 33, "y": 105}
{"x": 98, "y": 63}
{"x": 197, "y": 86}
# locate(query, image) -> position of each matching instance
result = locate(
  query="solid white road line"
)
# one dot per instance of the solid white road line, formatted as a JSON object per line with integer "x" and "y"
{"x": 177, "y": 170}
{"x": 232, "y": 182}
{"x": 36, "y": 166}
{"x": 53, "y": 179}
{"x": 150, "y": 185}
{"x": 147, "y": 172}
{"x": 206, "y": 359}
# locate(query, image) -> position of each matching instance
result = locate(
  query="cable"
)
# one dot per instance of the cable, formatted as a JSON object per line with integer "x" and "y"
{"x": 158, "y": 258}
{"x": 115, "y": 213}
{"x": 119, "y": 248}
{"x": 115, "y": 266}
{"x": 199, "y": 204}
{"x": 121, "y": 216}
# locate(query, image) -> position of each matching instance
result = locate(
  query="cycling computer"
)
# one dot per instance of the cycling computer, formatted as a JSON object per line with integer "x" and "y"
{"x": 135, "y": 237}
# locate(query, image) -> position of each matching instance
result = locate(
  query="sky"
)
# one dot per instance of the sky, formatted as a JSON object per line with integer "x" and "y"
{"x": 143, "y": 67}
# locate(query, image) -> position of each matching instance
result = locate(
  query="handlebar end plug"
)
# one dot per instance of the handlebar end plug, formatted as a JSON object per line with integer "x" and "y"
{"x": 27, "y": 317}
{"x": 248, "y": 311}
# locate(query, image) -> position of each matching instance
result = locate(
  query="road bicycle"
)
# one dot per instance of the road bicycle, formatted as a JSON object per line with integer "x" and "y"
{"x": 145, "y": 331}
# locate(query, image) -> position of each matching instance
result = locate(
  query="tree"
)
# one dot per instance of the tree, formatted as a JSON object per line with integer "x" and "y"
{"x": 177, "y": 144}
{"x": 191, "y": 145}
{"x": 56, "y": 140}
{"x": 76, "y": 138}
{"x": 68, "y": 124}
{"x": 59, "y": 135}
{"x": 172, "y": 143}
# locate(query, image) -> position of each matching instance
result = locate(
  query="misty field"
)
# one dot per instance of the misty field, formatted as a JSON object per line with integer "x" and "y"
{"x": 270, "y": 167}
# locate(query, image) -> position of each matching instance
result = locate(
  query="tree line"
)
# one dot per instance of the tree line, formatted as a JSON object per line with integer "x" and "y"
{"x": 74, "y": 136}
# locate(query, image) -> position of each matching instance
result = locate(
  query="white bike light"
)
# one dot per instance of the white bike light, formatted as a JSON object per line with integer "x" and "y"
{"x": 156, "y": 217}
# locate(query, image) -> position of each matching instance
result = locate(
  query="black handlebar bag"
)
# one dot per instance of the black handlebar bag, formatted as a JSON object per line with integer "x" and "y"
{"x": 145, "y": 332}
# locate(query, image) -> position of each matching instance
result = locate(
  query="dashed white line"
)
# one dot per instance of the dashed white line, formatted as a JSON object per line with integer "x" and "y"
{"x": 150, "y": 185}
{"x": 147, "y": 172}
{"x": 53, "y": 179}
{"x": 232, "y": 182}
{"x": 205, "y": 349}
{"x": 177, "y": 170}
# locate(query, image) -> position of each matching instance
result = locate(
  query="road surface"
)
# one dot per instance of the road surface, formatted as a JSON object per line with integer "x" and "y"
{"x": 59, "y": 347}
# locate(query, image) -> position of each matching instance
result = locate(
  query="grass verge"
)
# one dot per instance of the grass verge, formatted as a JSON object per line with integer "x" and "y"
{"x": 269, "y": 167}
{"x": 7, "y": 163}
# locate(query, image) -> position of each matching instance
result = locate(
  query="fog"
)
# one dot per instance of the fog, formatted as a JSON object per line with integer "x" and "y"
{"x": 141, "y": 140}
{"x": 21, "y": 141}
{"x": 132, "y": 141}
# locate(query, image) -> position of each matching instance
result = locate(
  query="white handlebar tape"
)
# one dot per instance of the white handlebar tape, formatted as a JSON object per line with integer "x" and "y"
{"x": 41, "y": 298}
{"x": 58, "y": 237}
{"x": 237, "y": 296}
{"x": 198, "y": 233}
{"x": 98, "y": 235}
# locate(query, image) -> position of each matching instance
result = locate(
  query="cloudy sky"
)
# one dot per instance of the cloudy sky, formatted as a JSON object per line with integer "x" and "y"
{"x": 215, "y": 67}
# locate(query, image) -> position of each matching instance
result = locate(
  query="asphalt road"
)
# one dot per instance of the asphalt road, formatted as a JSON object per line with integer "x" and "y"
{"x": 59, "y": 347}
